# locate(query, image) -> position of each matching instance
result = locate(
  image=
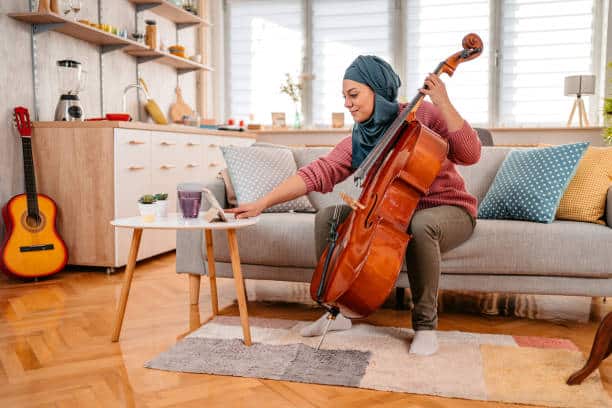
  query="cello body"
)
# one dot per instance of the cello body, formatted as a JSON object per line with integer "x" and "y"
{"x": 373, "y": 240}
{"x": 360, "y": 266}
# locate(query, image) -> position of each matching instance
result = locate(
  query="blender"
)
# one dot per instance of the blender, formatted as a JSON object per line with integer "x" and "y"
{"x": 71, "y": 82}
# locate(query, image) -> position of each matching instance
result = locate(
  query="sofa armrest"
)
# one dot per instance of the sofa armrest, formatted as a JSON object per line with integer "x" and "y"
{"x": 189, "y": 243}
{"x": 609, "y": 207}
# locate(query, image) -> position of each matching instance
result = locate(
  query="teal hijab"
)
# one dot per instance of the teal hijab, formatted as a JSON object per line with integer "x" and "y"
{"x": 378, "y": 75}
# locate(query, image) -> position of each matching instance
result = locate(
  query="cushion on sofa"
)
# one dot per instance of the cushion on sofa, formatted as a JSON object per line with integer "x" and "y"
{"x": 479, "y": 176}
{"x": 530, "y": 183}
{"x": 255, "y": 171}
{"x": 585, "y": 197}
{"x": 306, "y": 155}
{"x": 561, "y": 248}
{"x": 279, "y": 239}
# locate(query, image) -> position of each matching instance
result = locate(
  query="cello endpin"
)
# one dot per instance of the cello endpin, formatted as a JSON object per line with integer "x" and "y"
{"x": 329, "y": 320}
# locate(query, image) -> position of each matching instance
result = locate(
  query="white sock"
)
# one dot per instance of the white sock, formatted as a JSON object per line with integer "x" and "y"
{"x": 424, "y": 343}
{"x": 316, "y": 328}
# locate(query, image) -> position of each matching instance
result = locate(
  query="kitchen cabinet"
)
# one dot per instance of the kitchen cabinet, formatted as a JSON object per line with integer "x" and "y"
{"x": 95, "y": 172}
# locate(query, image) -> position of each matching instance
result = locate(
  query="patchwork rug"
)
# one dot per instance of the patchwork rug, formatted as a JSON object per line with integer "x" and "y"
{"x": 488, "y": 367}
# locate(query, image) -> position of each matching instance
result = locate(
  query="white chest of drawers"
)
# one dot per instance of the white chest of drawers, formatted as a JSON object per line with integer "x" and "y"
{"x": 96, "y": 174}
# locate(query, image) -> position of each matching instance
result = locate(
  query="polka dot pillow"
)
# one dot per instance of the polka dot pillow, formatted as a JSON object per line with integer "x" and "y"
{"x": 529, "y": 183}
{"x": 255, "y": 171}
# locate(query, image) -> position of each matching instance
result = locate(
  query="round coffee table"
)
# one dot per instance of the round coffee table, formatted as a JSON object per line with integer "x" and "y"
{"x": 176, "y": 221}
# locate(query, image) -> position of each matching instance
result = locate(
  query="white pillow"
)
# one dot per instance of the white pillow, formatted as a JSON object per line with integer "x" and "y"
{"x": 255, "y": 171}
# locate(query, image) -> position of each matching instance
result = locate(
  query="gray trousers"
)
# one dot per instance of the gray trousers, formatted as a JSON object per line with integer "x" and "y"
{"x": 434, "y": 231}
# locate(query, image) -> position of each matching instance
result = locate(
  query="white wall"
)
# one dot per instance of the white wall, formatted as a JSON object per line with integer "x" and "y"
{"x": 119, "y": 70}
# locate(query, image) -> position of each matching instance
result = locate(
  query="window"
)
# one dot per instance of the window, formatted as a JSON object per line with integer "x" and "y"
{"x": 342, "y": 30}
{"x": 516, "y": 81}
{"x": 266, "y": 41}
{"x": 434, "y": 30}
{"x": 542, "y": 42}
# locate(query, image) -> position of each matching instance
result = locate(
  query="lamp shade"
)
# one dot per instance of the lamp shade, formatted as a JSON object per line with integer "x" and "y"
{"x": 579, "y": 85}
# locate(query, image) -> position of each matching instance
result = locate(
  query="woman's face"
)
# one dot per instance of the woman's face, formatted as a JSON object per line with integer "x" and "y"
{"x": 358, "y": 99}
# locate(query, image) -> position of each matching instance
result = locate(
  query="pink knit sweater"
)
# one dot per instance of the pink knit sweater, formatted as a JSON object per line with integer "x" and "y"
{"x": 447, "y": 189}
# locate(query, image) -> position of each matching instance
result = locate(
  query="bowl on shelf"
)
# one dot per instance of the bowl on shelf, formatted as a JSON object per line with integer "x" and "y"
{"x": 177, "y": 50}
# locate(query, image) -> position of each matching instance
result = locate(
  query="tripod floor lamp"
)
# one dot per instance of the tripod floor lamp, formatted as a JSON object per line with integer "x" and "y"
{"x": 579, "y": 85}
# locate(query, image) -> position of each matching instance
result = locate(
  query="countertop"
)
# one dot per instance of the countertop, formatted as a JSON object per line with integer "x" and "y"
{"x": 143, "y": 126}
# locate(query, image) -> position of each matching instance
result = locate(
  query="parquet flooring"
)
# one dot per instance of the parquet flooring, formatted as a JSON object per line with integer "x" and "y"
{"x": 55, "y": 348}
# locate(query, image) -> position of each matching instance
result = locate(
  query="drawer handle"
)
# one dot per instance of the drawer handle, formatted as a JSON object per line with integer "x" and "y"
{"x": 214, "y": 164}
{"x": 192, "y": 144}
{"x": 192, "y": 165}
{"x": 213, "y": 145}
{"x": 167, "y": 166}
{"x": 137, "y": 142}
{"x": 136, "y": 167}
{"x": 166, "y": 143}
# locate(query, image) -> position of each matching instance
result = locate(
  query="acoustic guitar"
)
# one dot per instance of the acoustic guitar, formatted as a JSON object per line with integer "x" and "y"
{"x": 32, "y": 247}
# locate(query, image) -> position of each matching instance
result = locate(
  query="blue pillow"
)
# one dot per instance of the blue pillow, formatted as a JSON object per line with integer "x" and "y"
{"x": 530, "y": 183}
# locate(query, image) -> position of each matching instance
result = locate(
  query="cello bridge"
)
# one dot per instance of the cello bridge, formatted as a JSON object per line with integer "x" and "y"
{"x": 354, "y": 204}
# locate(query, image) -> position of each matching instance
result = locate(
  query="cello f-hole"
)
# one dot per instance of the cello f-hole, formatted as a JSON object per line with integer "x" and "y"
{"x": 368, "y": 223}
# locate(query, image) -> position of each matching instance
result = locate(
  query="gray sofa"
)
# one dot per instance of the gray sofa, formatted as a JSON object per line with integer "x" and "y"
{"x": 562, "y": 258}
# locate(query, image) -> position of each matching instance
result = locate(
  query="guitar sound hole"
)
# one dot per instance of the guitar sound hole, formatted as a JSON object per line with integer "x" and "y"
{"x": 33, "y": 221}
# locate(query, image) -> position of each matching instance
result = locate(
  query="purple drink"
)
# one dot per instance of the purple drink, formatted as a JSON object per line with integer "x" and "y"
{"x": 189, "y": 202}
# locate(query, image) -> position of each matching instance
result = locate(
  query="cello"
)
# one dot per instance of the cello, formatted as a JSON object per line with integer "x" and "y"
{"x": 360, "y": 265}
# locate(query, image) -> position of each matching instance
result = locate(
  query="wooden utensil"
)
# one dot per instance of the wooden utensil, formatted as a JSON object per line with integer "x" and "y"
{"x": 180, "y": 108}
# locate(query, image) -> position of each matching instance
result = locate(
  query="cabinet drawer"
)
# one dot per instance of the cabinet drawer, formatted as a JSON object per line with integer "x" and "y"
{"x": 212, "y": 156}
{"x": 132, "y": 148}
{"x": 132, "y": 169}
{"x": 191, "y": 150}
{"x": 165, "y": 150}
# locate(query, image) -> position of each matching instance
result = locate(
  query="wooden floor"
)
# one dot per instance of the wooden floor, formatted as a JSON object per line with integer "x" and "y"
{"x": 55, "y": 348}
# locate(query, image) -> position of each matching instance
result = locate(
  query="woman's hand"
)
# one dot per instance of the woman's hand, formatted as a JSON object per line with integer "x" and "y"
{"x": 247, "y": 210}
{"x": 436, "y": 90}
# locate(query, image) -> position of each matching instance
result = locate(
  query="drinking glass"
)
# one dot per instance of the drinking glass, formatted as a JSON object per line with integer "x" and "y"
{"x": 189, "y": 203}
{"x": 66, "y": 6}
{"x": 76, "y": 7}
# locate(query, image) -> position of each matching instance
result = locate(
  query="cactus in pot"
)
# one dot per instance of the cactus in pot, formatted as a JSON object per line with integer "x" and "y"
{"x": 162, "y": 204}
{"x": 147, "y": 207}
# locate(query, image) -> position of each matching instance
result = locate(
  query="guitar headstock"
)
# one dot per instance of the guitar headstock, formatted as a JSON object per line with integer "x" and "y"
{"x": 22, "y": 121}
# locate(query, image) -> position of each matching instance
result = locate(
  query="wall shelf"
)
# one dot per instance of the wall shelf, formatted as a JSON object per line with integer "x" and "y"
{"x": 50, "y": 21}
{"x": 163, "y": 8}
{"x": 182, "y": 65}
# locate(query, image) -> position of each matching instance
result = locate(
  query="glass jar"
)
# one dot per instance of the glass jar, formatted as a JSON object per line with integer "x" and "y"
{"x": 151, "y": 34}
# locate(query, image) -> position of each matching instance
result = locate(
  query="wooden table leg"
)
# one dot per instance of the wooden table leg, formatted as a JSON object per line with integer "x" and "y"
{"x": 239, "y": 282}
{"x": 127, "y": 282}
{"x": 212, "y": 274}
{"x": 602, "y": 347}
{"x": 194, "y": 289}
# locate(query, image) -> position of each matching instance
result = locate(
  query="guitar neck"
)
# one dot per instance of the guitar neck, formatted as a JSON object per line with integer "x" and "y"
{"x": 30, "y": 177}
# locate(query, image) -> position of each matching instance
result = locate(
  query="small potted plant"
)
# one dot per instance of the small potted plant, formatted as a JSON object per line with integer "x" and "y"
{"x": 161, "y": 200}
{"x": 147, "y": 207}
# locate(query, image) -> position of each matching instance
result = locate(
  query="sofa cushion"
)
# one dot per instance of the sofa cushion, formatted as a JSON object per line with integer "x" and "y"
{"x": 530, "y": 183}
{"x": 281, "y": 239}
{"x": 585, "y": 197}
{"x": 479, "y": 176}
{"x": 562, "y": 248}
{"x": 255, "y": 171}
{"x": 306, "y": 155}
